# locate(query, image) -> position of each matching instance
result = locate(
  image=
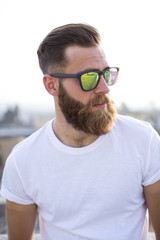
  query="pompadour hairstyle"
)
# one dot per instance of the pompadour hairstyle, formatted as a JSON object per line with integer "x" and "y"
{"x": 51, "y": 52}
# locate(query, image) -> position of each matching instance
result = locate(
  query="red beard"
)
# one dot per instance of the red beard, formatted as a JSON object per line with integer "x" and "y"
{"x": 81, "y": 116}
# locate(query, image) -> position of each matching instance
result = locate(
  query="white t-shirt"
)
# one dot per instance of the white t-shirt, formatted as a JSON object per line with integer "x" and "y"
{"x": 94, "y": 192}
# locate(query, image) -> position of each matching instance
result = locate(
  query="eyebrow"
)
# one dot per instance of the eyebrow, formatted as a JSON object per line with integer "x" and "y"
{"x": 92, "y": 69}
{"x": 64, "y": 75}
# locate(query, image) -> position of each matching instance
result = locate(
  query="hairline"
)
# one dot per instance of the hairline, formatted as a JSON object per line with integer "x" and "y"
{"x": 60, "y": 68}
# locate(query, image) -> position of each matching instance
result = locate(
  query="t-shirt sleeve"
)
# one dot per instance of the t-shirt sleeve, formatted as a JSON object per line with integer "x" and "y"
{"x": 152, "y": 162}
{"x": 12, "y": 187}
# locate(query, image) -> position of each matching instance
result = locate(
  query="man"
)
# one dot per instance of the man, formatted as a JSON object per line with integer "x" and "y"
{"x": 89, "y": 173}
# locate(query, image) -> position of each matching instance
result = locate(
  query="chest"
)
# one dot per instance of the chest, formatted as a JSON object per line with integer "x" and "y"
{"x": 88, "y": 185}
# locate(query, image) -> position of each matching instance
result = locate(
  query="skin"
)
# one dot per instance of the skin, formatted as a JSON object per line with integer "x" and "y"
{"x": 152, "y": 196}
{"x": 21, "y": 218}
{"x": 79, "y": 59}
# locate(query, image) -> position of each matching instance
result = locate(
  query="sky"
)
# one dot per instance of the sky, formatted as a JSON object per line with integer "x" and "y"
{"x": 130, "y": 39}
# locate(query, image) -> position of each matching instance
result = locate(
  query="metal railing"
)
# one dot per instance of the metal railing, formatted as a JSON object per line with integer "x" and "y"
{"x": 151, "y": 236}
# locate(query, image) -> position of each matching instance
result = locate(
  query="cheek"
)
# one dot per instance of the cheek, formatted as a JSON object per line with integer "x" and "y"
{"x": 74, "y": 90}
{"x": 71, "y": 84}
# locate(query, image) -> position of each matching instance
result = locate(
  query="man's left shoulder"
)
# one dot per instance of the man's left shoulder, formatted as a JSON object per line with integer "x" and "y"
{"x": 134, "y": 126}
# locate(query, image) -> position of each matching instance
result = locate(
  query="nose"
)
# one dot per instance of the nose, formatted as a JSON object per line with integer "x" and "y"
{"x": 102, "y": 86}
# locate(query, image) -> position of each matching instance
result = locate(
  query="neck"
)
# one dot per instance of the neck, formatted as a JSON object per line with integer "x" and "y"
{"x": 70, "y": 136}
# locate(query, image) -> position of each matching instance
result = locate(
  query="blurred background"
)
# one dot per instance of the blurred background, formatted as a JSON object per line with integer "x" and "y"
{"x": 130, "y": 38}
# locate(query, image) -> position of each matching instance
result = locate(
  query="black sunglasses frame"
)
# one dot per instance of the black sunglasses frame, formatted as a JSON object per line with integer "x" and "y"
{"x": 78, "y": 75}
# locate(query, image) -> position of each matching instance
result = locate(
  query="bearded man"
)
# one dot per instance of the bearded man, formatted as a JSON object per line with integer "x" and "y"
{"x": 89, "y": 173}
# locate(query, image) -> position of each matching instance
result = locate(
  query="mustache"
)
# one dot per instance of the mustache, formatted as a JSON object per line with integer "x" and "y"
{"x": 99, "y": 99}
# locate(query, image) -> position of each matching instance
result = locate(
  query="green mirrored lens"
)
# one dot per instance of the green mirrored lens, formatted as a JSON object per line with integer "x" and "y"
{"x": 89, "y": 80}
{"x": 107, "y": 76}
{"x": 111, "y": 76}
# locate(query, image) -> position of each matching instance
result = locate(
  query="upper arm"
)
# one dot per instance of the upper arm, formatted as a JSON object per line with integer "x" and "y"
{"x": 152, "y": 196}
{"x": 21, "y": 220}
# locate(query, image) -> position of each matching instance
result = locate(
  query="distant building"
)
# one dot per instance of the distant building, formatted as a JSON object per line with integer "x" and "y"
{"x": 12, "y": 130}
{"x": 12, "y": 126}
{"x": 10, "y": 117}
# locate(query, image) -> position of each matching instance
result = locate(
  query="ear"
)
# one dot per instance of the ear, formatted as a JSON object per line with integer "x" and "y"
{"x": 51, "y": 84}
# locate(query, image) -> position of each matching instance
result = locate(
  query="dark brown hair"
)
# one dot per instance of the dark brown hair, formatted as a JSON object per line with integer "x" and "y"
{"x": 51, "y": 52}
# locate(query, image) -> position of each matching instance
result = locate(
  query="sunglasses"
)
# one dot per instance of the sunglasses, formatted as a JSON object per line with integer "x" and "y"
{"x": 89, "y": 79}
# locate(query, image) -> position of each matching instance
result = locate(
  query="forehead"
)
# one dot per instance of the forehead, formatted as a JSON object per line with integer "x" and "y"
{"x": 83, "y": 58}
